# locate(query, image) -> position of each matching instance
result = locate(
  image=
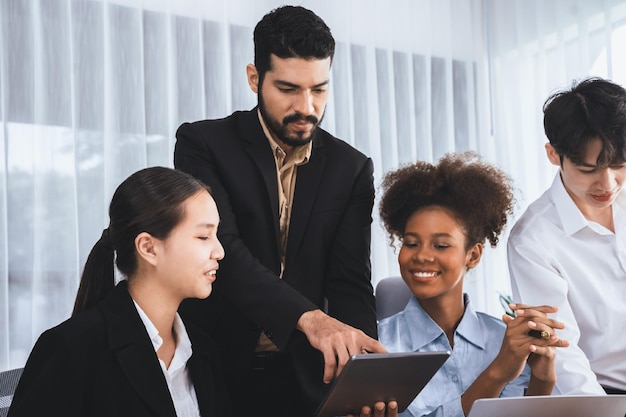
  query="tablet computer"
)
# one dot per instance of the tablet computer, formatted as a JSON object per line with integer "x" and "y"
{"x": 373, "y": 377}
{"x": 550, "y": 406}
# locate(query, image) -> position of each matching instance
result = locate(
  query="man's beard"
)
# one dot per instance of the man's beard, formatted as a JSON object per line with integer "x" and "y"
{"x": 280, "y": 129}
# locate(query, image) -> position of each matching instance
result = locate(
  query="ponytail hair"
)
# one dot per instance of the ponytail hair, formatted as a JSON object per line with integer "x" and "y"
{"x": 150, "y": 200}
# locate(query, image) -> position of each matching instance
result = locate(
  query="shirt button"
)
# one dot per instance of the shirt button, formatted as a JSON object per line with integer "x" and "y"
{"x": 455, "y": 378}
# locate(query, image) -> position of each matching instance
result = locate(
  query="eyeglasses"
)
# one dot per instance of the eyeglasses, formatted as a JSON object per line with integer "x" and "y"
{"x": 505, "y": 300}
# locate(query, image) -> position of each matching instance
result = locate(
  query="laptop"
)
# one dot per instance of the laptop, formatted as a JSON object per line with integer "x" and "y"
{"x": 551, "y": 406}
{"x": 373, "y": 377}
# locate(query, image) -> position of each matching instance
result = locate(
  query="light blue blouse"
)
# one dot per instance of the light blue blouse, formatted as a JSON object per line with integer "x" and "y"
{"x": 477, "y": 342}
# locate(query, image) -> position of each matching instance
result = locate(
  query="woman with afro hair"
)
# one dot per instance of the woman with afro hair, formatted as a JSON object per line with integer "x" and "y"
{"x": 442, "y": 215}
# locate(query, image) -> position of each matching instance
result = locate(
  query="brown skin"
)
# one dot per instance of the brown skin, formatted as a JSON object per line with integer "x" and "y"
{"x": 379, "y": 410}
{"x": 433, "y": 262}
{"x": 425, "y": 207}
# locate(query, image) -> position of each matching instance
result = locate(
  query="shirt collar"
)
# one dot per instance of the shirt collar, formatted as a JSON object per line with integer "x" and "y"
{"x": 301, "y": 154}
{"x": 572, "y": 219}
{"x": 619, "y": 208}
{"x": 469, "y": 328}
{"x": 183, "y": 343}
{"x": 153, "y": 333}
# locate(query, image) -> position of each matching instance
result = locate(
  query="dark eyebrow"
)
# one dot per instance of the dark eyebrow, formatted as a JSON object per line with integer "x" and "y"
{"x": 609, "y": 165}
{"x": 292, "y": 85}
{"x": 442, "y": 235}
{"x": 434, "y": 235}
{"x": 585, "y": 165}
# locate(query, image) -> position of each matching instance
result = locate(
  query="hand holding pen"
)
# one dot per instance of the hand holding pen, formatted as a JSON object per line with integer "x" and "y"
{"x": 547, "y": 331}
{"x": 533, "y": 321}
{"x": 530, "y": 338}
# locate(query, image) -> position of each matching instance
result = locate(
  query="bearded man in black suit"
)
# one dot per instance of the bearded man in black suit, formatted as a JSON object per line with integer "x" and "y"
{"x": 293, "y": 299}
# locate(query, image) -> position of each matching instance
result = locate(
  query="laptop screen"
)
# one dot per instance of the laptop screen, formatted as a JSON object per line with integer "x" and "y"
{"x": 551, "y": 406}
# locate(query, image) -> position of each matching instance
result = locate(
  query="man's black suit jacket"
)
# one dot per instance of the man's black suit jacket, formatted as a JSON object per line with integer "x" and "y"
{"x": 327, "y": 262}
{"x": 102, "y": 363}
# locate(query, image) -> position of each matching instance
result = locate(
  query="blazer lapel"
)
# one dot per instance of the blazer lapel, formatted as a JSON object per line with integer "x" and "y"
{"x": 257, "y": 146}
{"x": 308, "y": 181}
{"x": 135, "y": 353}
{"x": 201, "y": 371}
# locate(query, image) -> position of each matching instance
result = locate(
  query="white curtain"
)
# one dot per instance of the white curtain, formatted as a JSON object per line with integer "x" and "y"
{"x": 91, "y": 91}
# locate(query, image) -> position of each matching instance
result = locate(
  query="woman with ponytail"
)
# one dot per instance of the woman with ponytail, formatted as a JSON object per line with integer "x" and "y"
{"x": 125, "y": 351}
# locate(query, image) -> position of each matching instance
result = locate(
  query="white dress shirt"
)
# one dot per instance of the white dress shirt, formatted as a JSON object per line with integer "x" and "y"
{"x": 177, "y": 375}
{"x": 477, "y": 341}
{"x": 557, "y": 257}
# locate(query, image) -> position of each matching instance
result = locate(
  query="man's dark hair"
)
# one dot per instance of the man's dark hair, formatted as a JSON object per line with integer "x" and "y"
{"x": 290, "y": 32}
{"x": 592, "y": 108}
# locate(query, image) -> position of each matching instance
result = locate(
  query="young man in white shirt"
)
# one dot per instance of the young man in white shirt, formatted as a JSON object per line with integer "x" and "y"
{"x": 569, "y": 248}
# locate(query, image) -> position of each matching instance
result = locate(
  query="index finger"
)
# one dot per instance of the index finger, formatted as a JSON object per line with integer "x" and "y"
{"x": 544, "y": 309}
{"x": 365, "y": 345}
{"x": 373, "y": 346}
{"x": 560, "y": 343}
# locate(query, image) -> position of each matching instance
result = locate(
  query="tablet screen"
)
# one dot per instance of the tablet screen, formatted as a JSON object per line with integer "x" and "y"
{"x": 373, "y": 377}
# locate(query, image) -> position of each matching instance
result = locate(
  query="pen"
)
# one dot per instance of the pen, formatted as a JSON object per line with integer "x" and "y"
{"x": 505, "y": 300}
{"x": 539, "y": 334}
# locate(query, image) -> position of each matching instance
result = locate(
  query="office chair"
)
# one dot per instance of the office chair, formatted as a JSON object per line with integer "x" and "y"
{"x": 8, "y": 383}
{"x": 392, "y": 295}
